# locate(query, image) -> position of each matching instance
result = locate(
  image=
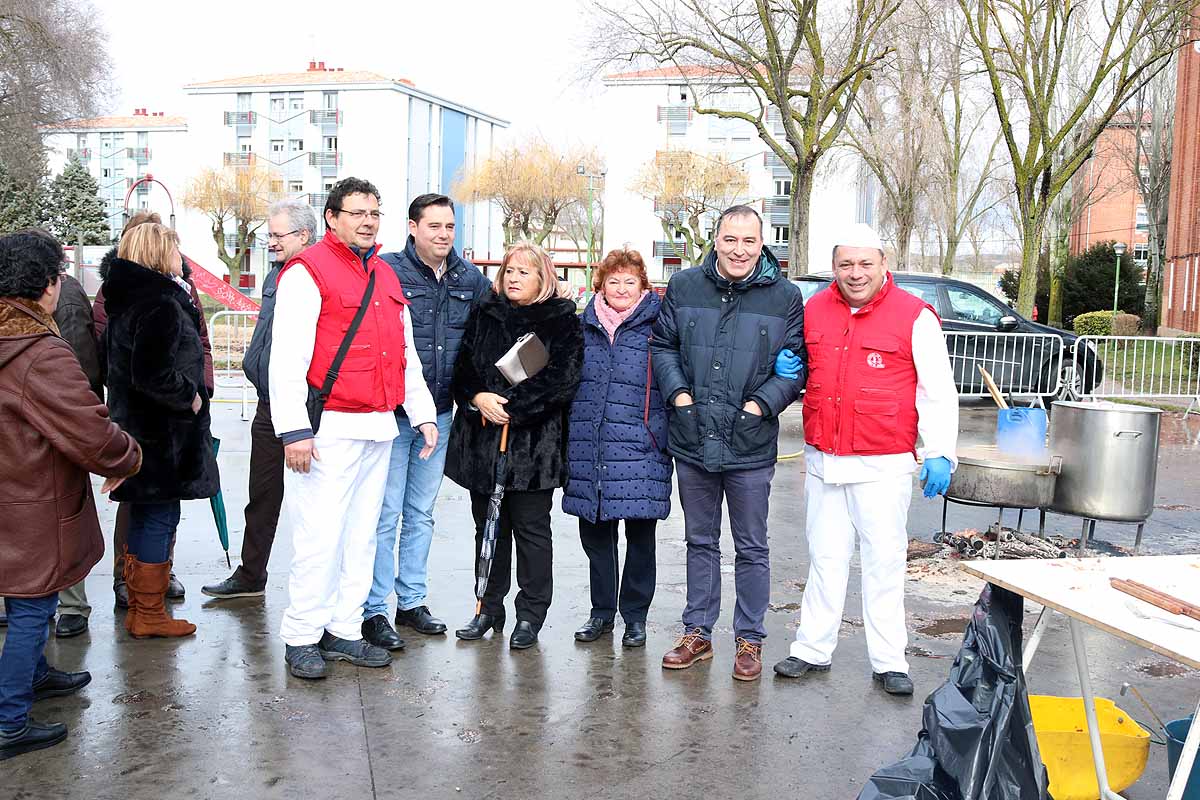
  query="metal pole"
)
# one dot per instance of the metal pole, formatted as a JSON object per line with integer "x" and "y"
{"x": 1116, "y": 290}
{"x": 1089, "y": 710}
{"x": 587, "y": 290}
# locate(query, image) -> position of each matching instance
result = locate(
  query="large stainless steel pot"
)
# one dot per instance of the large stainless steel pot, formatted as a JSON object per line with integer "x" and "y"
{"x": 986, "y": 476}
{"x": 1110, "y": 459}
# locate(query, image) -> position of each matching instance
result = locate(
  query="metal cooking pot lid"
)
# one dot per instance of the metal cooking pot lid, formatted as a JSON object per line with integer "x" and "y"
{"x": 986, "y": 455}
{"x": 1105, "y": 405}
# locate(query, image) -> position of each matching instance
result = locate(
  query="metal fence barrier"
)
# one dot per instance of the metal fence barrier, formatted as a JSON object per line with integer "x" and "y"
{"x": 1132, "y": 367}
{"x": 1022, "y": 364}
{"x": 229, "y": 333}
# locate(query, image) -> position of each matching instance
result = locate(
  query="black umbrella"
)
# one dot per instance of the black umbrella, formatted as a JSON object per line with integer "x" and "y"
{"x": 487, "y": 548}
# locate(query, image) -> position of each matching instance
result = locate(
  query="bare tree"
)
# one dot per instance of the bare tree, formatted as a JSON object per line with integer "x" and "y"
{"x": 238, "y": 196}
{"x": 1022, "y": 45}
{"x": 796, "y": 72}
{"x": 53, "y": 68}
{"x": 689, "y": 190}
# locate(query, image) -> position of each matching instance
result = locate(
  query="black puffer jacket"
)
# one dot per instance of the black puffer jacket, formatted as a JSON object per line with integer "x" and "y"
{"x": 155, "y": 369}
{"x": 537, "y": 407}
{"x": 718, "y": 340}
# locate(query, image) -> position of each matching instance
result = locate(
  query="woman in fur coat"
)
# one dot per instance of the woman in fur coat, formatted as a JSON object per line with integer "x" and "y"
{"x": 525, "y": 299}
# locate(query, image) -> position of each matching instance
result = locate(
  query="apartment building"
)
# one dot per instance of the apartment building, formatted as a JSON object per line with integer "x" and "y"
{"x": 1181, "y": 276}
{"x": 650, "y": 113}
{"x": 1110, "y": 205}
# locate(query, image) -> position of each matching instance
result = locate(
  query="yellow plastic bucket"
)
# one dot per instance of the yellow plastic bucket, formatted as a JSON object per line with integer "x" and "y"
{"x": 1061, "y": 728}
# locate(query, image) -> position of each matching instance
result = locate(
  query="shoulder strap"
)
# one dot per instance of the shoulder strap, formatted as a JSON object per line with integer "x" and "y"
{"x": 332, "y": 375}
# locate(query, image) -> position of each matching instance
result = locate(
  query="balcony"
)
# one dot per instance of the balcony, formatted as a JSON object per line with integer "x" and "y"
{"x": 139, "y": 154}
{"x": 325, "y": 117}
{"x": 83, "y": 154}
{"x": 240, "y": 118}
{"x": 779, "y": 209}
{"x": 776, "y": 165}
{"x": 325, "y": 158}
{"x": 668, "y": 210}
{"x": 317, "y": 199}
{"x": 676, "y": 117}
{"x": 669, "y": 249}
{"x": 239, "y": 159}
{"x": 780, "y": 251}
{"x": 231, "y": 242}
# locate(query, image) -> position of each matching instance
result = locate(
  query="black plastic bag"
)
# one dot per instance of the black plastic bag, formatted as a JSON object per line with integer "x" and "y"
{"x": 977, "y": 742}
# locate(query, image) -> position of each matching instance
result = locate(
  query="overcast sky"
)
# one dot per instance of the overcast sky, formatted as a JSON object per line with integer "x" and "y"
{"x": 516, "y": 60}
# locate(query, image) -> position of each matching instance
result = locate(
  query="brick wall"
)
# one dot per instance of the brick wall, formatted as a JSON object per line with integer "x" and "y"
{"x": 1181, "y": 295}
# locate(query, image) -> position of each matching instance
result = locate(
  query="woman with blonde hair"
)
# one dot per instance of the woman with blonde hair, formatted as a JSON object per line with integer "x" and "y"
{"x": 156, "y": 392}
{"x": 525, "y": 298}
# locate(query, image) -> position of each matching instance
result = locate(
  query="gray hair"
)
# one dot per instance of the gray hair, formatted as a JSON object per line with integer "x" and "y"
{"x": 299, "y": 213}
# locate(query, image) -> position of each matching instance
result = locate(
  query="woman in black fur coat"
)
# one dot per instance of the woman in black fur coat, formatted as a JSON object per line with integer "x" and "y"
{"x": 156, "y": 392}
{"x": 524, "y": 300}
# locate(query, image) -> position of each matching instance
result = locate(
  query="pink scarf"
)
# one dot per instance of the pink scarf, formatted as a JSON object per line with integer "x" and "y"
{"x": 610, "y": 318}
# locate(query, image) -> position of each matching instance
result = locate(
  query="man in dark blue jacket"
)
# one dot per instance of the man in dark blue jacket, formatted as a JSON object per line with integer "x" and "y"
{"x": 291, "y": 227}
{"x": 441, "y": 289}
{"x": 722, "y": 327}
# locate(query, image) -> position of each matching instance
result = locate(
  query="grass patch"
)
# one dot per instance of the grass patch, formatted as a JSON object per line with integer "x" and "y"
{"x": 1152, "y": 366}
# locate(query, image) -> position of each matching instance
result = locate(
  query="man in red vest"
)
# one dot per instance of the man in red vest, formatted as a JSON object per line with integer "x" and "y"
{"x": 338, "y": 462}
{"x": 878, "y": 375}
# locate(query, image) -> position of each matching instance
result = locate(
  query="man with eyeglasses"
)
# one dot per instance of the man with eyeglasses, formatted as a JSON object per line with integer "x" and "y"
{"x": 291, "y": 226}
{"x": 337, "y": 460}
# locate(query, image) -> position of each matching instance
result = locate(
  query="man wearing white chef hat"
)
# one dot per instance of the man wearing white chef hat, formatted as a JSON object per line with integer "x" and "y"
{"x": 878, "y": 374}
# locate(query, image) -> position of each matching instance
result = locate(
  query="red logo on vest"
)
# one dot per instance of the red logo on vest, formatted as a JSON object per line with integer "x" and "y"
{"x": 875, "y": 360}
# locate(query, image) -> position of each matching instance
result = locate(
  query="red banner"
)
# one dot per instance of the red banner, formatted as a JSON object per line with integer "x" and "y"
{"x": 218, "y": 289}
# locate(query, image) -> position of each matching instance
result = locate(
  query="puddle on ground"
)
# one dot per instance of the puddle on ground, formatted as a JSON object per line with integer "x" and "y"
{"x": 921, "y": 652}
{"x": 143, "y": 696}
{"x": 1162, "y": 669}
{"x": 944, "y": 627}
{"x": 783, "y": 606}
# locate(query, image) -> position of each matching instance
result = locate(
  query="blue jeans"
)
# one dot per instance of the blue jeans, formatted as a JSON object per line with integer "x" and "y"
{"x": 412, "y": 489}
{"x": 23, "y": 661}
{"x": 151, "y": 526}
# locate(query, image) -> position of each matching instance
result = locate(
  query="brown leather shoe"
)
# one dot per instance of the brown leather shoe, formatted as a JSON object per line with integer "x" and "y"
{"x": 689, "y": 648}
{"x": 747, "y": 664}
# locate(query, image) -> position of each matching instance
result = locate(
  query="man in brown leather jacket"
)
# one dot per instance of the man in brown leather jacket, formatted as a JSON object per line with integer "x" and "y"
{"x": 56, "y": 431}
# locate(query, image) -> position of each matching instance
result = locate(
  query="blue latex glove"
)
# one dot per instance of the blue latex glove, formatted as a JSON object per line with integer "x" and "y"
{"x": 788, "y": 365}
{"x": 935, "y": 475}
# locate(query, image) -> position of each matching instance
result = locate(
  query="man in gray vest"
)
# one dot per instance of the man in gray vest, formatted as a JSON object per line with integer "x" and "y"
{"x": 291, "y": 226}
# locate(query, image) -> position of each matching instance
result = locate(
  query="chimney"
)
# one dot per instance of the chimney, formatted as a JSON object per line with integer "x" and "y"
{"x": 320, "y": 66}
{"x": 339, "y": 69}
{"x": 312, "y": 66}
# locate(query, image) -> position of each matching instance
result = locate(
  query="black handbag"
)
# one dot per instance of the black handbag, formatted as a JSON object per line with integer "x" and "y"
{"x": 317, "y": 397}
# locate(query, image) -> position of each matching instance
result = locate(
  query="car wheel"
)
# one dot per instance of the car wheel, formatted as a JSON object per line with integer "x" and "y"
{"x": 1071, "y": 388}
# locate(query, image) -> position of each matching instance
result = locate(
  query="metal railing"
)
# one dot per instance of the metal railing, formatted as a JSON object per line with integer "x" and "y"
{"x": 239, "y": 159}
{"x": 778, "y": 209}
{"x": 1132, "y": 367}
{"x": 229, "y": 333}
{"x": 669, "y": 249}
{"x": 325, "y": 158}
{"x": 239, "y": 118}
{"x": 83, "y": 153}
{"x": 324, "y": 117}
{"x": 1021, "y": 364}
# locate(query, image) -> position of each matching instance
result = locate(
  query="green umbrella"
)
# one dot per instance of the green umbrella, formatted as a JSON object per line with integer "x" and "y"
{"x": 217, "y": 501}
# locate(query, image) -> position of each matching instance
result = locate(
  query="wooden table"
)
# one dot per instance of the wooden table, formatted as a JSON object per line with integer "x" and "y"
{"x": 1079, "y": 589}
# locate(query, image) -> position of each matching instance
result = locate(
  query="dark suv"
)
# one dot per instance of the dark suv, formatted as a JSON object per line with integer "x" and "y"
{"x": 1021, "y": 366}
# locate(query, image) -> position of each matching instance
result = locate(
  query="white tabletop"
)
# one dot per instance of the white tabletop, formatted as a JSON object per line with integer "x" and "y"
{"x": 1078, "y": 587}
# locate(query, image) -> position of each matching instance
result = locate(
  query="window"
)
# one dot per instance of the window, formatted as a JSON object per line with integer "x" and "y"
{"x": 296, "y": 145}
{"x": 678, "y": 94}
{"x": 1143, "y": 219}
{"x": 329, "y": 185}
{"x": 783, "y": 187}
{"x": 105, "y": 172}
{"x": 925, "y": 291}
{"x": 296, "y": 101}
{"x": 278, "y": 103}
{"x": 244, "y": 145}
{"x": 330, "y": 143}
{"x": 243, "y": 101}
{"x": 81, "y": 141}
{"x": 1144, "y": 173}
{"x": 329, "y": 101}
{"x": 295, "y": 187}
{"x": 277, "y": 145}
{"x": 968, "y": 306}
{"x": 1141, "y": 254}
{"x": 276, "y": 187}
{"x": 782, "y": 234}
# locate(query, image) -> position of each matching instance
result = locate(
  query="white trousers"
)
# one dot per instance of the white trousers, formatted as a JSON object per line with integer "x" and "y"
{"x": 333, "y": 510}
{"x": 878, "y": 512}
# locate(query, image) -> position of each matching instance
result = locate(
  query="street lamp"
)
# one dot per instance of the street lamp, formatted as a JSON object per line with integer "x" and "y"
{"x": 1119, "y": 249}
{"x": 582, "y": 171}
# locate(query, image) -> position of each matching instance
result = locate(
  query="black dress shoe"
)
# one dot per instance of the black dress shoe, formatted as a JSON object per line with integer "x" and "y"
{"x": 305, "y": 661}
{"x": 792, "y": 667}
{"x": 894, "y": 682}
{"x": 635, "y": 634}
{"x": 121, "y": 594}
{"x": 175, "y": 590}
{"x": 56, "y": 683}
{"x": 233, "y": 586}
{"x": 360, "y": 653}
{"x": 34, "y": 736}
{"x": 420, "y": 620}
{"x": 523, "y": 636}
{"x": 379, "y": 632}
{"x": 479, "y": 625}
{"x": 69, "y": 625}
{"x": 593, "y": 629}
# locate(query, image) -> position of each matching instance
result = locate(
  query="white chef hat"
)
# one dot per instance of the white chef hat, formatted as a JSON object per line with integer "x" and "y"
{"x": 859, "y": 234}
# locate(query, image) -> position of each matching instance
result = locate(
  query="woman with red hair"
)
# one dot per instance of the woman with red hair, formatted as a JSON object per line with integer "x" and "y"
{"x": 619, "y": 469}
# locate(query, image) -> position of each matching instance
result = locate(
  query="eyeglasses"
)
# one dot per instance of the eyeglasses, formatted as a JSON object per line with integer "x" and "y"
{"x": 359, "y": 215}
{"x": 279, "y": 237}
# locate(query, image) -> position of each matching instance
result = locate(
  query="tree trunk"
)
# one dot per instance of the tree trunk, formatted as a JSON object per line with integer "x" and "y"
{"x": 948, "y": 256}
{"x": 1060, "y": 249}
{"x": 1033, "y": 224}
{"x": 802, "y": 187}
{"x": 1152, "y": 303}
{"x": 904, "y": 232}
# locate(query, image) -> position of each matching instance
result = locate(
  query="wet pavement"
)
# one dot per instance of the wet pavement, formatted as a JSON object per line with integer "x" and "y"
{"x": 217, "y": 716}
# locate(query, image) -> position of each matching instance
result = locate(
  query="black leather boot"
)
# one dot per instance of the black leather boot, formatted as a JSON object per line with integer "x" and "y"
{"x": 479, "y": 625}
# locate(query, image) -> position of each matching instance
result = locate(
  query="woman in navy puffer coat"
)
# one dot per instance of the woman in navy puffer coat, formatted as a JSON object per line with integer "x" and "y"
{"x": 616, "y": 450}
